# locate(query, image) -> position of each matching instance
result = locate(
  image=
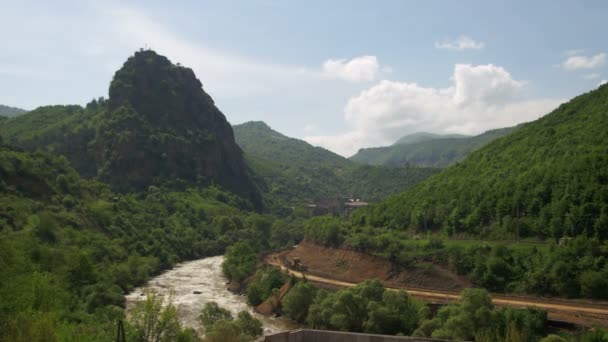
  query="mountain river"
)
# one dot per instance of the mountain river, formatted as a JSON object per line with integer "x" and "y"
{"x": 204, "y": 276}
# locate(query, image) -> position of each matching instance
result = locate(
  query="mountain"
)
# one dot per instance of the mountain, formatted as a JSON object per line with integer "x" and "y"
{"x": 425, "y": 136}
{"x": 9, "y": 112}
{"x": 549, "y": 178}
{"x": 427, "y": 149}
{"x": 293, "y": 171}
{"x": 158, "y": 126}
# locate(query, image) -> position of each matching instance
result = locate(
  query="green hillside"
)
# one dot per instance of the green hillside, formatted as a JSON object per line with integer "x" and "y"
{"x": 8, "y": 112}
{"x": 96, "y": 200}
{"x": 70, "y": 248}
{"x": 426, "y": 149}
{"x": 550, "y": 178}
{"x": 293, "y": 171}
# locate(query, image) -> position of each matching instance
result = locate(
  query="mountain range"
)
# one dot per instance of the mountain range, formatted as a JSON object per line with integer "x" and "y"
{"x": 294, "y": 172}
{"x": 428, "y": 149}
{"x": 549, "y": 178}
{"x": 9, "y": 112}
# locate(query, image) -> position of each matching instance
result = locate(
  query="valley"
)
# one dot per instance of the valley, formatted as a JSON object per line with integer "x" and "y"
{"x": 136, "y": 214}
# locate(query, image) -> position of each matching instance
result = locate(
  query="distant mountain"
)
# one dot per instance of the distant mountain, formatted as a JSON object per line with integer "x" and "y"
{"x": 157, "y": 127}
{"x": 548, "y": 178}
{"x": 10, "y": 112}
{"x": 426, "y": 149}
{"x": 424, "y": 136}
{"x": 294, "y": 171}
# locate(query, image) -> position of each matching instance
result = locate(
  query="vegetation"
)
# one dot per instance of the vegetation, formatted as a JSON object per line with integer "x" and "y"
{"x": 155, "y": 320}
{"x": 293, "y": 172}
{"x": 264, "y": 283}
{"x": 70, "y": 247}
{"x": 575, "y": 269}
{"x": 474, "y": 318}
{"x": 95, "y": 200}
{"x": 368, "y": 307}
{"x": 548, "y": 179}
{"x": 158, "y": 127}
{"x": 220, "y": 326}
{"x": 426, "y": 149}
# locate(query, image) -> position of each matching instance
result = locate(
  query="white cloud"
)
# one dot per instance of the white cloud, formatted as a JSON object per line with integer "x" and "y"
{"x": 364, "y": 68}
{"x": 576, "y": 62}
{"x": 461, "y": 43}
{"x": 591, "y": 76}
{"x": 602, "y": 82}
{"x": 481, "y": 98}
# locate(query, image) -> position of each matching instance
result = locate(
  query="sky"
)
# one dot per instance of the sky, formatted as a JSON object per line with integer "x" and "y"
{"x": 343, "y": 75}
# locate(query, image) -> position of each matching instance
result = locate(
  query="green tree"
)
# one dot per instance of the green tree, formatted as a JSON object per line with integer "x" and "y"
{"x": 212, "y": 313}
{"x": 154, "y": 320}
{"x": 298, "y": 300}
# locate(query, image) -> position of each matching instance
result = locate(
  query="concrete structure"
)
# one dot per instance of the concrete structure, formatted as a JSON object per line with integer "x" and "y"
{"x": 309, "y": 335}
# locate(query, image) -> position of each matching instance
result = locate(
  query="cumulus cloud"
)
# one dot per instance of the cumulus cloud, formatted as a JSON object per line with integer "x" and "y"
{"x": 602, "y": 82}
{"x": 461, "y": 43}
{"x": 576, "y": 62}
{"x": 480, "y": 98}
{"x": 364, "y": 68}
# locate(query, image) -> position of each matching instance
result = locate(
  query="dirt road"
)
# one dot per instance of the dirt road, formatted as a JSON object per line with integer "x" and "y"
{"x": 559, "y": 310}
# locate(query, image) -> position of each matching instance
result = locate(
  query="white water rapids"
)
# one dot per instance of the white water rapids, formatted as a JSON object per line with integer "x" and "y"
{"x": 204, "y": 276}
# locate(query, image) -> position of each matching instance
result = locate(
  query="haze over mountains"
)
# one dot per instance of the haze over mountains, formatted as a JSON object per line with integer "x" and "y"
{"x": 428, "y": 149}
{"x": 9, "y": 112}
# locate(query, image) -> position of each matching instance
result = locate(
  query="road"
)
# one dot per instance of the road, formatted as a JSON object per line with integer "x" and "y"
{"x": 560, "y": 310}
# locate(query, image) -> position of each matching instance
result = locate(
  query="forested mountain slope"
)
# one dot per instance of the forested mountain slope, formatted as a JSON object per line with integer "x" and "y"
{"x": 425, "y": 149}
{"x": 157, "y": 126}
{"x": 70, "y": 248}
{"x": 550, "y": 178}
{"x": 294, "y": 171}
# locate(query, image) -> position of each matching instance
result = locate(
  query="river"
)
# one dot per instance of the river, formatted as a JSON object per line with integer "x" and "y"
{"x": 204, "y": 276}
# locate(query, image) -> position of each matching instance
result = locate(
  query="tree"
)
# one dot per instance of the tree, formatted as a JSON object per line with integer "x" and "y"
{"x": 298, "y": 300}
{"x": 594, "y": 284}
{"x": 154, "y": 320}
{"x": 249, "y": 325}
{"x": 212, "y": 313}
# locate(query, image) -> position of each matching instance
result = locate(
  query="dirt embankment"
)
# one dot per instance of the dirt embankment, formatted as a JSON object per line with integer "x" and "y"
{"x": 352, "y": 266}
{"x": 345, "y": 268}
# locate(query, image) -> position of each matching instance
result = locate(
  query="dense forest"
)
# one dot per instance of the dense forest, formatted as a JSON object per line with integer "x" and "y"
{"x": 71, "y": 247}
{"x": 548, "y": 179}
{"x": 426, "y": 149}
{"x": 293, "y": 172}
{"x": 74, "y": 240}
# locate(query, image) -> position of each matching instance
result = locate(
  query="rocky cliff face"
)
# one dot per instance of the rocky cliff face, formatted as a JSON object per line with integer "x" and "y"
{"x": 158, "y": 127}
{"x": 161, "y": 125}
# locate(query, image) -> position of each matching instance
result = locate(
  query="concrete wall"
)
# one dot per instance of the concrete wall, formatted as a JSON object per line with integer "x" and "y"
{"x": 307, "y": 335}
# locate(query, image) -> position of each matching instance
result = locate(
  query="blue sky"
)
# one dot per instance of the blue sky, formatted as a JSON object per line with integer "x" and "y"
{"x": 340, "y": 74}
